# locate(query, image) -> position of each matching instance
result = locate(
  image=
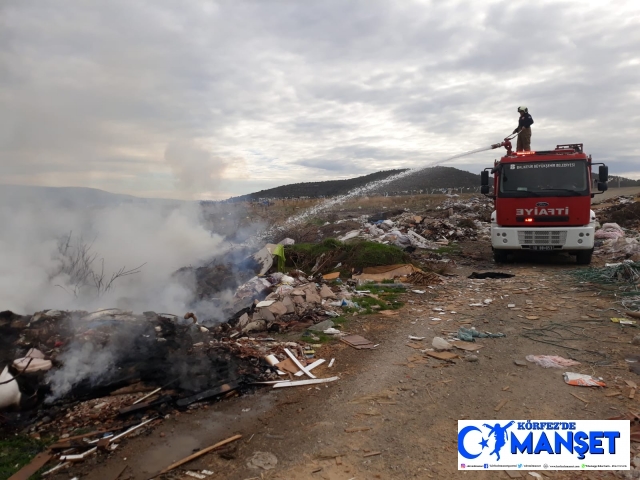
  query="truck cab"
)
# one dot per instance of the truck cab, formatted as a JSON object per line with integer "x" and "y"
{"x": 543, "y": 202}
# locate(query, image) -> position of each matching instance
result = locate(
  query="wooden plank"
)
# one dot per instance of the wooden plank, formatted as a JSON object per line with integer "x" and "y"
{"x": 39, "y": 461}
{"x": 298, "y": 364}
{"x": 227, "y": 387}
{"x": 197, "y": 454}
{"x": 312, "y": 366}
{"x": 300, "y": 383}
{"x": 372, "y": 454}
{"x": 356, "y": 429}
{"x": 144, "y": 406}
{"x": 147, "y": 396}
{"x": 579, "y": 397}
{"x": 500, "y": 405}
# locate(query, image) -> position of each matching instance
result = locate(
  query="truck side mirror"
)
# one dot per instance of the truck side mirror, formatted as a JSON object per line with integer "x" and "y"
{"x": 603, "y": 174}
{"x": 484, "y": 178}
{"x": 602, "y": 187}
{"x": 484, "y": 189}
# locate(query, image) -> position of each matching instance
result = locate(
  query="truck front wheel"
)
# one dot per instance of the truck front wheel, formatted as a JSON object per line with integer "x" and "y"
{"x": 500, "y": 256}
{"x": 584, "y": 257}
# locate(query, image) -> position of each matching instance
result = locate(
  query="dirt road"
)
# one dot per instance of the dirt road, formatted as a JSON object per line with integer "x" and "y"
{"x": 393, "y": 413}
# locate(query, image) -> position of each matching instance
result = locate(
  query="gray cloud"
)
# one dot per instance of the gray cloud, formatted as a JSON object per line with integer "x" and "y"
{"x": 96, "y": 94}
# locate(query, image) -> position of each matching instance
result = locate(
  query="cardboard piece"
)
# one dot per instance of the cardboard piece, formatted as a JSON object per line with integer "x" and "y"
{"x": 467, "y": 346}
{"x": 442, "y": 355}
{"x": 356, "y": 341}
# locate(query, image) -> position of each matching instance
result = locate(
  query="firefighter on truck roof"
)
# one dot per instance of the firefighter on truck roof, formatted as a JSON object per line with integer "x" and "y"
{"x": 524, "y": 130}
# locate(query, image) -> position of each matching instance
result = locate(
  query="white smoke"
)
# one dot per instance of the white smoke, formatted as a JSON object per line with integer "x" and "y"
{"x": 162, "y": 238}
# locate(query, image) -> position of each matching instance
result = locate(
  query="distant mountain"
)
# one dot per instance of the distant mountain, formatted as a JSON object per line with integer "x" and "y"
{"x": 615, "y": 181}
{"x": 72, "y": 197}
{"x": 327, "y": 188}
{"x": 433, "y": 178}
{"x": 430, "y": 178}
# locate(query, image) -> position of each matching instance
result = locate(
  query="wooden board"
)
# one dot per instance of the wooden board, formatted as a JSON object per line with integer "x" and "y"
{"x": 356, "y": 341}
{"x": 36, "y": 464}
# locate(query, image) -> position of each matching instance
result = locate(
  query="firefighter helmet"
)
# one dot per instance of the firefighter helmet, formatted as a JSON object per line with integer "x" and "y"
{"x": 523, "y": 109}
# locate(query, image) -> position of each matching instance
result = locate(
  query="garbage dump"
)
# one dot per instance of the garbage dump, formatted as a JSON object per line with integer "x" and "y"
{"x": 453, "y": 221}
{"x": 619, "y": 237}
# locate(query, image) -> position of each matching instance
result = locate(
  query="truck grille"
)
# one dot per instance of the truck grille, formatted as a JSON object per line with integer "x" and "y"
{"x": 542, "y": 237}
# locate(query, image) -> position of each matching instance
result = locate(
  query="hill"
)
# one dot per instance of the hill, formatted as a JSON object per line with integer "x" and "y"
{"x": 327, "y": 188}
{"x": 430, "y": 178}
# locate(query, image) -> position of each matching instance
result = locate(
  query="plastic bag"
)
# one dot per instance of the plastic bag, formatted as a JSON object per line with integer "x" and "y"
{"x": 551, "y": 361}
{"x": 580, "y": 380}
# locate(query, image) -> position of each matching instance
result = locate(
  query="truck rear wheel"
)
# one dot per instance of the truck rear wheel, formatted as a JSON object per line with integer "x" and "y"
{"x": 500, "y": 256}
{"x": 584, "y": 257}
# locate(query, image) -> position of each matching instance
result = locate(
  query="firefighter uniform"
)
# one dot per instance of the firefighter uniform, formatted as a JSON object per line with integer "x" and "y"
{"x": 524, "y": 130}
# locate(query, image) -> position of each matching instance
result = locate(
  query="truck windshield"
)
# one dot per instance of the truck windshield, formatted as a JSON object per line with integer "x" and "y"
{"x": 538, "y": 179}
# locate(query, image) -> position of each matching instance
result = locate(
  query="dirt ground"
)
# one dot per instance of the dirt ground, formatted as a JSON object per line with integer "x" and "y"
{"x": 403, "y": 405}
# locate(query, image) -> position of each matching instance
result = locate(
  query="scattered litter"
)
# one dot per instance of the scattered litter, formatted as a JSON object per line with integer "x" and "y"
{"x": 263, "y": 460}
{"x": 419, "y": 291}
{"x": 580, "y": 380}
{"x": 440, "y": 344}
{"x": 331, "y": 276}
{"x": 332, "y": 331}
{"x": 623, "y": 321}
{"x": 372, "y": 454}
{"x": 609, "y": 231}
{"x": 469, "y": 334}
{"x": 331, "y": 362}
{"x": 389, "y": 313}
{"x": 500, "y": 405}
{"x": 411, "y": 337}
{"x": 520, "y": 363}
{"x": 198, "y": 454}
{"x": 551, "y": 361}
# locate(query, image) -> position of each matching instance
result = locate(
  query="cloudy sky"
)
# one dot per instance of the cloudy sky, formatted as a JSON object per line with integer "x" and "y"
{"x": 203, "y": 99}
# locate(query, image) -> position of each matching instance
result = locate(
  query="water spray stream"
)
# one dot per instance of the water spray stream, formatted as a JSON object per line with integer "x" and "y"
{"x": 356, "y": 192}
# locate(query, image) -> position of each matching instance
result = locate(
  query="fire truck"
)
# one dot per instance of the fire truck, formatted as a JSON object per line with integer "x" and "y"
{"x": 543, "y": 201}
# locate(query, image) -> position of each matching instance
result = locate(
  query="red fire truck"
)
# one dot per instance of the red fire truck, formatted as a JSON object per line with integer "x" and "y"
{"x": 543, "y": 201}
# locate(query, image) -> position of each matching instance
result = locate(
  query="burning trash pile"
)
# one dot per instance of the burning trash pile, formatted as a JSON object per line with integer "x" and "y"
{"x": 54, "y": 358}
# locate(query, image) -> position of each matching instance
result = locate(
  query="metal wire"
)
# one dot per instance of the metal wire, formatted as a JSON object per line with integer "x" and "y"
{"x": 559, "y": 333}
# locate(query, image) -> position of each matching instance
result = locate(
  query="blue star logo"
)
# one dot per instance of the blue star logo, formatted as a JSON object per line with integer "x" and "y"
{"x": 484, "y": 443}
